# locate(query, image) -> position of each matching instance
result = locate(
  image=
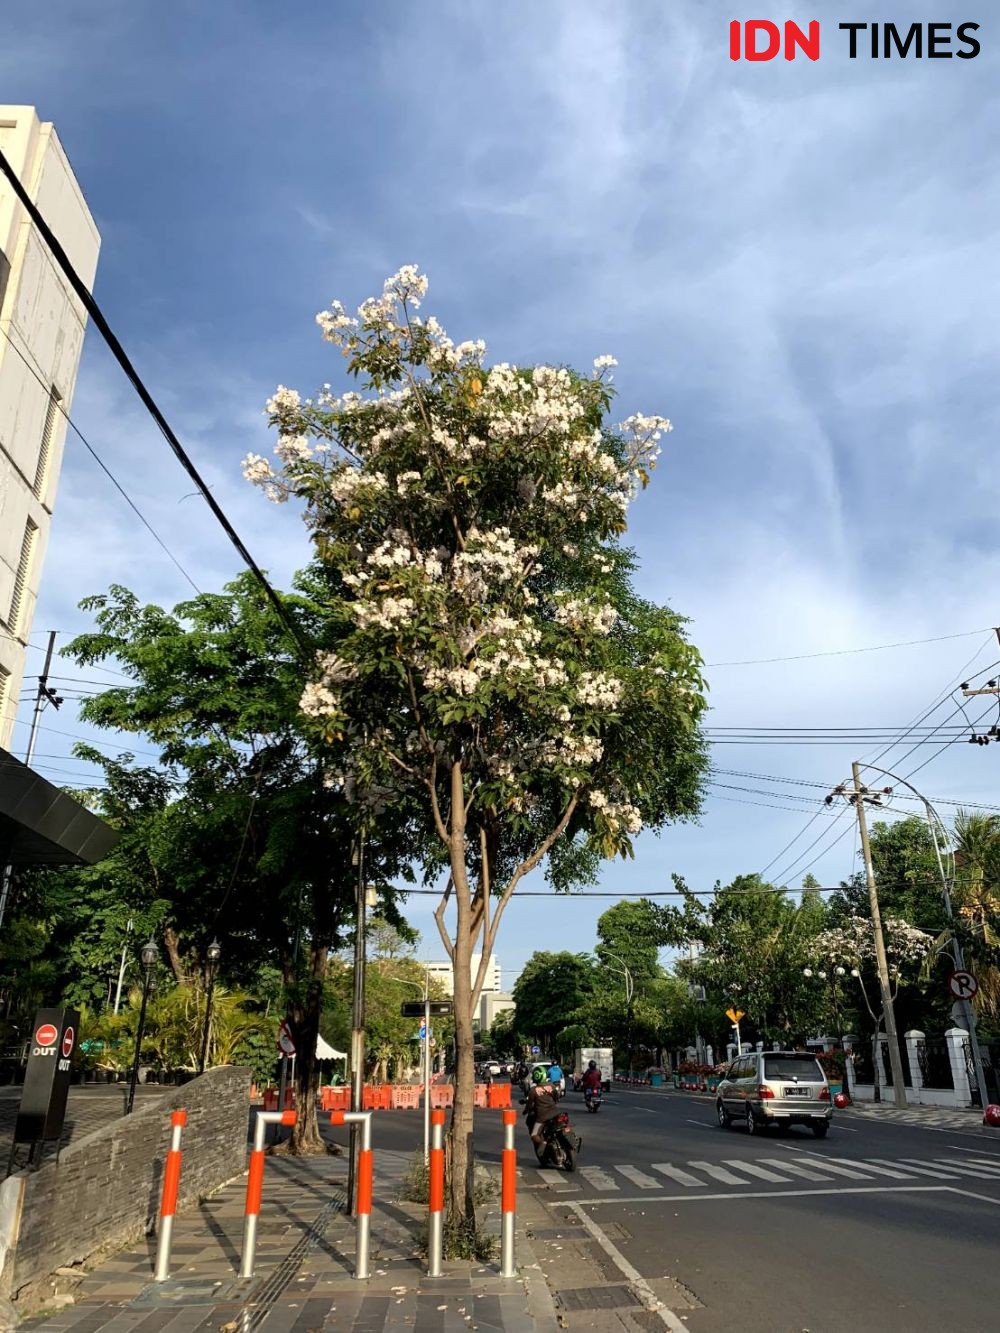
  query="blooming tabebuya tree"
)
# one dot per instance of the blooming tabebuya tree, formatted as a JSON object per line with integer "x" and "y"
{"x": 493, "y": 661}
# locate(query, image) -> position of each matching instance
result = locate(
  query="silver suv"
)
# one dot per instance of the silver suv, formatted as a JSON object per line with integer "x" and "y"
{"x": 780, "y": 1088}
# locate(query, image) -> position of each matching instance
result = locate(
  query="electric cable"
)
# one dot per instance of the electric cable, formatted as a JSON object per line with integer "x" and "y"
{"x": 97, "y": 315}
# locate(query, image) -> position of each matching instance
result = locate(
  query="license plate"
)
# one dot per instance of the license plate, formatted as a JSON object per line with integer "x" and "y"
{"x": 796, "y": 1092}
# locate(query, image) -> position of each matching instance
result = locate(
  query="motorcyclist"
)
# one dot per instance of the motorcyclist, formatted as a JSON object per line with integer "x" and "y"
{"x": 557, "y": 1078}
{"x": 591, "y": 1081}
{"x": 540, "y": 1106}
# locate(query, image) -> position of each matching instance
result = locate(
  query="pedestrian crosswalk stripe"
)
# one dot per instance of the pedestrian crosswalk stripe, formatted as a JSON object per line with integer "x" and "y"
{"x": 896, "y": 1174}
{"x": 594, "y": 1175}
{"x": 796, "y": 1169}
{"x": 963, "y": 1167}
{"x": 675, "y": 1173}
{"x": 824, "y": 1164}
{"x": 983, "y": 1161}
{"x": 939, "y": 1172}
{"x": 638, "y": 1177}
{"x": 718, "y": 1173}
{"x": 752, "y": 1169}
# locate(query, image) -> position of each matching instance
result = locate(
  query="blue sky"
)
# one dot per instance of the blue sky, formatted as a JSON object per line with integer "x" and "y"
{"x": 796, "y": 262}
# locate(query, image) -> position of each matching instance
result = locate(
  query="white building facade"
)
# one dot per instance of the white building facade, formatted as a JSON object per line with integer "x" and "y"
{"x": 41, "y": 337}
{"x": 443, "y": 973}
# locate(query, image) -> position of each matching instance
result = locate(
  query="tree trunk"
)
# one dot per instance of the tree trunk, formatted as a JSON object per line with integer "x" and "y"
{"x": 461, "y": 1205}
{"x": 171, "y": 942}
{"x": 306, "y": 1137}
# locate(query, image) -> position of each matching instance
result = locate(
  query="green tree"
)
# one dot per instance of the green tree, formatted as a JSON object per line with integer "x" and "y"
{"x": 755, "y": 944}
{"x": 549, "y": 993}
{"x": 495, "y": 667}
{"x": 253, "y": 842}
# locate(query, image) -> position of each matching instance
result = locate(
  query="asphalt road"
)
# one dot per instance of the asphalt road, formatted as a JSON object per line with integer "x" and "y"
{"x": 882, "y": 1225}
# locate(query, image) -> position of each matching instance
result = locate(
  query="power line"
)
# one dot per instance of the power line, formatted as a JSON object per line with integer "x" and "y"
{"x": 103, "y": 466}
{"x": 121, "y": 356}
{"x": 843, "y": 652}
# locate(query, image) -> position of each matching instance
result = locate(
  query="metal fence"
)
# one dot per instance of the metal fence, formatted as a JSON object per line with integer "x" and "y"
{"x": 935, "y": 1063}
{"x": 886, "y": 1065}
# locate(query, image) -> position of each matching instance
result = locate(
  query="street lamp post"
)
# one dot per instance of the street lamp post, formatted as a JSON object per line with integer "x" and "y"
{"x": 937, "y": 827}
{"x": 425, "y": 988}
{"x": 213, "y": 954}
{"x": 833, "y": 977}
{"x": 623, "y": 971}
{"x": 149, "y": 955}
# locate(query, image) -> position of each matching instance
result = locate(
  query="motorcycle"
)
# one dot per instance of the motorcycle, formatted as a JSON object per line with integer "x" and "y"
{"x": 592, "y": 1099}
{"x": 559, "y": 1145}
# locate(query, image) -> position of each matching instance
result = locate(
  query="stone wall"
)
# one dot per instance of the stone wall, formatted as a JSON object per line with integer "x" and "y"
{"x": 105, "y": 1188}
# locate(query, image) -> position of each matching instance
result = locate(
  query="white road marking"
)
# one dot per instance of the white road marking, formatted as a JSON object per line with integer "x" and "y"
{"x": 920, "y": 1170}
{"x": 964, "y": 1169}
{"x": 837, "y": 1190}
{"x": 835, "y": 1168}
{"x": 675, "y": 1173}
{"x": 638, "y": 1177}
{"x": 718, "y": 1173}
{"x": 993, "y": 1156}
{"x": 599, "y": 1179}
{"x": 630, "y": 1273}
{"x": 700, "y": 1123}
{"x": 788, "y": 1164}
{"x": 971, "y": 1194}
{"x": 752, "y": 1169}
{"x": 902, "y": 1173}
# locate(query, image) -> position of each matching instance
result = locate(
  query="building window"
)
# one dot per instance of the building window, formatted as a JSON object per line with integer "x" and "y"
{"x": 45, "y": 451}
{"x": 21, "y": 577}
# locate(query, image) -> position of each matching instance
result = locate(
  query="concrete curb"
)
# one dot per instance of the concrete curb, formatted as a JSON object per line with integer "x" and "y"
{"x": 541, "y": 1307}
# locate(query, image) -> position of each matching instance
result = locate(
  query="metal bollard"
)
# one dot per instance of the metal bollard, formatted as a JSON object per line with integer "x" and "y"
{"x": 363, "y": 1192}
{"x": 508, "y": 1195}
{"x": 435, "y": 1221}
{"x": 168, "y": 1203}
{"x": 255, "y": 1183}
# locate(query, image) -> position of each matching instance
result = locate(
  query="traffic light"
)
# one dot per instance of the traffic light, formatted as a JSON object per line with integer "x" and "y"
{"x": 436, "y": 1008}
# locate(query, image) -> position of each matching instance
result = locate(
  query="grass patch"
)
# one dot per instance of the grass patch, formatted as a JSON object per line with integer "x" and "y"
{"x": 415, "y": 1184}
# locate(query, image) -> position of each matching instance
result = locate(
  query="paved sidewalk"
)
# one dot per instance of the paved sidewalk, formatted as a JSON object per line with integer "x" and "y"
{"x": 928, "y": 1117}
{"x": 305, "y": 1258}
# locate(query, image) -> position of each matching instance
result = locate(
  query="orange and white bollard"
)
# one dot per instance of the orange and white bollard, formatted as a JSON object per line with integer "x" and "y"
{"x": 508, "y": 1195}
{"x": 363, "y": 1189}
{"x": 255, "y": 1183}
{"x": 435, "y": 1193}
{"x": 168, "y": 1203}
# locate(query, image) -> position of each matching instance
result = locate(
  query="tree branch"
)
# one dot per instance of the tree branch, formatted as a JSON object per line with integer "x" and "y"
{"x": 439, "y": 912}
{"x": 439, "y": 823}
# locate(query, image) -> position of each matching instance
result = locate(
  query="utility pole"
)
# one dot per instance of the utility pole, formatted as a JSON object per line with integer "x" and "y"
{"x": 885, "y": 987}
{"x": 43, "y": 694}
{"x": 358, "y": 1013}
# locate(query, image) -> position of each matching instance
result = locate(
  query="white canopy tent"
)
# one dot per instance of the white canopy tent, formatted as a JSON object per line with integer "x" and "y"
{"x": 324, "y": 1051}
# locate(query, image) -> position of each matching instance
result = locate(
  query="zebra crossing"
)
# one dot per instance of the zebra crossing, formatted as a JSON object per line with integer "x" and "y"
{"x": 736, "y": 1172}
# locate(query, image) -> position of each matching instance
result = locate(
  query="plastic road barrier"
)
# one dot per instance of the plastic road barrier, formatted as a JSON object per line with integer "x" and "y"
{"x": 499, "y": 1096}
{"x": 435, "y": 1221}
{"x": 363, "y": 1188}
{"x": 508, "y": 1194}
{"x": 255, "y": 1183}
{"x": 168, "y": 1203}
{"x": 442, "y": 1095}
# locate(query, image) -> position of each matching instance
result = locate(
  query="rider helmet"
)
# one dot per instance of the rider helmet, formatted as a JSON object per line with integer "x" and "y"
{"x": 592, "y": 1065}
{"x": 539, "y": 1076}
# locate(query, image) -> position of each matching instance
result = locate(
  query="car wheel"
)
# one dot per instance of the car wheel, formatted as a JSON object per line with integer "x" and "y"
{"x": 725, "y": 1119}
{"x": 751, "y": 1121}
{"x": 821, "y": 1130}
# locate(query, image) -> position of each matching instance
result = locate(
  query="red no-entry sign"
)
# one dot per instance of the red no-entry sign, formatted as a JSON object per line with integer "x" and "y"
{"x": 46, "y": 1035}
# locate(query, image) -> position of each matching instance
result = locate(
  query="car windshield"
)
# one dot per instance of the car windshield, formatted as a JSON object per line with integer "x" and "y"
{"x": 793, "y": 1066}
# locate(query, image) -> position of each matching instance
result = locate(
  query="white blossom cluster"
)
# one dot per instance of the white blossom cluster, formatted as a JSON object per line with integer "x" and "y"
{"x": 854, "y": 942}
{"x": 259, "y": 472}
{"x": 580, "y": 614}
{"x": 617, "y": 814}
{"x": 598, "y": 689}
